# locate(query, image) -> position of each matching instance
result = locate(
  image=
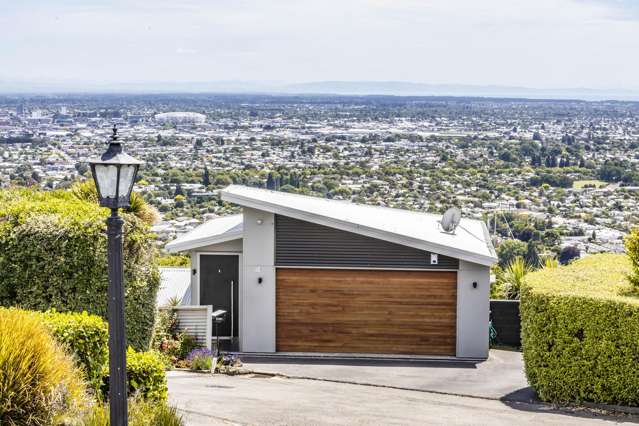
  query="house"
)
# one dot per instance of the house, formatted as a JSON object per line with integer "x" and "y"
{"x": 306, "y": 274}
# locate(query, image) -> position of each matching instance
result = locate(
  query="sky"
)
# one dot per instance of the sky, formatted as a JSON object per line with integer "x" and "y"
{"x": 526, "y": 43}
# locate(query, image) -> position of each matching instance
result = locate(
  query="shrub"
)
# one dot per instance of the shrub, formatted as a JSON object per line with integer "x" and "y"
{"x": 145, "y": 376}
{"x": 168, "y": 339}
{"x": 38, "y": 381}
{"x": 580, "y": 331}
{"x": 512, "y": 278}
{"x": 175, "y": 260}
{"x": 141, "y": 413}
{"x": 85, "y": 336}
{"x": 53, "y": 254}
{"x": 200, "y": 359}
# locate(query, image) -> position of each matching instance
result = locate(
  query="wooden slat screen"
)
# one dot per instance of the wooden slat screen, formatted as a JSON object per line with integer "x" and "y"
{"x": 358, "y": 311}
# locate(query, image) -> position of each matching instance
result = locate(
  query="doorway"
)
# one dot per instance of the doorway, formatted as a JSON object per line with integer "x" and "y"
{"x": 219, "y": 287}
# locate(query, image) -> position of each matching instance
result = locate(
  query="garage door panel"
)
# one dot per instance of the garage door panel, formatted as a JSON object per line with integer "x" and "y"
{"x": 399, "y": 312}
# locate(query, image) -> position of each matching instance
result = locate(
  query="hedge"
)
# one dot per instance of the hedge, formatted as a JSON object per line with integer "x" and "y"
{"x": 53, "y": 255}
{"x": 146, "y": 377}
{"x": 83, "y": 335}
{"x": 580, "y": 332}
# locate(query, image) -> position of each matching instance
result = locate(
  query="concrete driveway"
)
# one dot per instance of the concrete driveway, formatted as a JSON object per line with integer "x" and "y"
{"x": 499, "y": 377}
{"x": 360, "y": 392}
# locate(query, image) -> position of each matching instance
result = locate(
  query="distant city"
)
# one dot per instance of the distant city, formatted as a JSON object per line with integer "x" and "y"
{"x": 553, "y": 174}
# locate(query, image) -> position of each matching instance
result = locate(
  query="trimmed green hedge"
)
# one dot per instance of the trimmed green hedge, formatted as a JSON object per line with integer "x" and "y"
{"x": 580, "y": 331}
{"x": 85, "y": 336}
{"x": 53, "y": 255}
{"x": 145, "y": 373}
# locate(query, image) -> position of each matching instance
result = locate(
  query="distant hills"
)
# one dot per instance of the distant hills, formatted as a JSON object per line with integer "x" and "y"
{"x": 358, "y": 88}
{"x": 400, "y": 88}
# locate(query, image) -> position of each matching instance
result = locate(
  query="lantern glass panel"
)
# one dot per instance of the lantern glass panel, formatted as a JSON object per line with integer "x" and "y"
{"x": 107, "y": 177}
{"x": 127, "y": 174}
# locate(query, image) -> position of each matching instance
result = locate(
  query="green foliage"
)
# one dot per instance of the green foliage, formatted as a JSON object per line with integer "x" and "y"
{"x": 141, "y": 413}
{"x": 174, "y": 260}
{"x": 580, "y": 331}
{"x": 510, "y": 279}
{"x": 632, "y": 250}
{"x": 53, "y": 254}
{"x": 86, "y": 191}
{"x": 145, "y": 375}
{"x": 550, "y": 262}
{"x": 201, "y": 359}
{"x": 83, "y": 335}
{"x": 38, "y": 382}
{"x": 169, "y": 340}
{"x": 508, "y": 250}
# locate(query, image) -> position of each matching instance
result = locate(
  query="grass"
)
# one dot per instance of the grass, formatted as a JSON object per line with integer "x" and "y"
{"x": 600, "y": 276}
{"x": 580, "y": 184}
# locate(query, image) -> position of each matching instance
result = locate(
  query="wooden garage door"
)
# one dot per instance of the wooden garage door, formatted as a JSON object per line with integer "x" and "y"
{"x": 356, "y": 311}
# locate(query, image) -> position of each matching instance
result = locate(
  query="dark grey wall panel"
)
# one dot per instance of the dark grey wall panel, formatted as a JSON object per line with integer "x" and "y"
{"x": 300, "y": 243}
{"x": 506, "y": 320}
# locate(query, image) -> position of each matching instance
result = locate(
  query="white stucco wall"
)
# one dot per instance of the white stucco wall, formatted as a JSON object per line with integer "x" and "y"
{"x": 473, "y": 306}
{"x": 258, "y": 299}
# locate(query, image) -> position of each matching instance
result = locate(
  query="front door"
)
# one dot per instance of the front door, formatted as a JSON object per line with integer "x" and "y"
{"x": 219, "y": 279}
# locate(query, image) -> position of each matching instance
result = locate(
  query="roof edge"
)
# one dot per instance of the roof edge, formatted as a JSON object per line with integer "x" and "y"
{"x": 359, "y": 229}
{"x": 177, "y": 246}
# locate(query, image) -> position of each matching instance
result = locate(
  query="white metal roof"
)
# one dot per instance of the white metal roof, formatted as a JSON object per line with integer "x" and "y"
{"x": 470, "y": 241}
{"x": 174, "y": 283}
{"x": 218, "y": 230}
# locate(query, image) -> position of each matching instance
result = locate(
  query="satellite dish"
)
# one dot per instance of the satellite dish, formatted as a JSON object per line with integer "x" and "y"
{"x": 451, "y": 219}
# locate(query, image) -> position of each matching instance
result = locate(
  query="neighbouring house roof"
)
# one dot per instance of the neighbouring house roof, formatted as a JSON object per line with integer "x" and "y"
{"x": 174, "y": 283}
{"x": 470, "y": 242}
{"x": 218, "y": 230}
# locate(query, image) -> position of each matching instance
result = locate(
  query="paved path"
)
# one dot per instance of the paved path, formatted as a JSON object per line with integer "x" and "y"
{"x": 216, "y": 399}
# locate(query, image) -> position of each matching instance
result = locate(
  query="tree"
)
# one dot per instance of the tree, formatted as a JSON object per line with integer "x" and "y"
{"x": 509, "y": 250}
{"x": 270, "y": 181}
{"x": 178, "y": 190}
{"x": 206, "y": 179}
{"x": 532, "y": 256}
{"x": 631, "y": 242}
{"x": 179, "y": 200}
{"x": 568, "y": 254}
{"x": 223, "y": 180}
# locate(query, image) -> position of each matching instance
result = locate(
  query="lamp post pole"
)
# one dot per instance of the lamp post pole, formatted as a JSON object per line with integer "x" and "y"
{"x": 117, "y": 336}
{"x": 114, "y": 174}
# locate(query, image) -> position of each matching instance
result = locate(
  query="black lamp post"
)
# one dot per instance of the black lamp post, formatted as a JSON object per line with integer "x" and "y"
{"x": 114, "y": 174}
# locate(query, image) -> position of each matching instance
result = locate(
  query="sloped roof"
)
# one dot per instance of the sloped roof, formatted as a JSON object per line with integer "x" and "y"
{"x": 470, "y": 241}
{"x": 174, "y": 283}
{"x": 218, "y": 230}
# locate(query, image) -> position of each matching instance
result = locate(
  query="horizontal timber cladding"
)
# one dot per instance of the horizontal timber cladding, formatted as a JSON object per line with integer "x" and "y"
{"x": 300, "y": 243}
{"x": 359, "y": 311}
